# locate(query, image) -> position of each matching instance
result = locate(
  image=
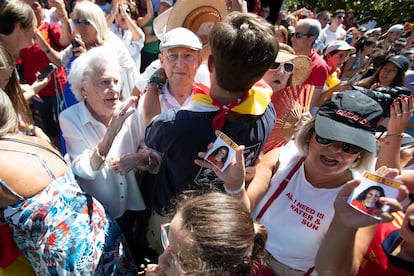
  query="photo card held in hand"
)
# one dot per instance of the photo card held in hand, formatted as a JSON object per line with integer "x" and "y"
{"x": 222, "y": 153}
{"x": 365, "y": 197}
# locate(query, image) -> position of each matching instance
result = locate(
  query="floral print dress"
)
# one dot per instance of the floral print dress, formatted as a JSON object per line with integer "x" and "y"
{"x": 63, "y": 231}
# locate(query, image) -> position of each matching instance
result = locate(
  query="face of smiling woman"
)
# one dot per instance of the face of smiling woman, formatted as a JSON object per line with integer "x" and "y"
{"x": 328, "y": 160}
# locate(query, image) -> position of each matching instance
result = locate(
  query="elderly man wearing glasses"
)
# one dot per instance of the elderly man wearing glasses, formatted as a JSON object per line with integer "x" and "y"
{"x": 303, "y": 40}
{"x": 180, "y": 58}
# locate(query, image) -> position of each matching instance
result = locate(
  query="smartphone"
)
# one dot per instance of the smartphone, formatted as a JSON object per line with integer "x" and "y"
{"x": 75, "y": 44}
{"x": 47, "y": 71}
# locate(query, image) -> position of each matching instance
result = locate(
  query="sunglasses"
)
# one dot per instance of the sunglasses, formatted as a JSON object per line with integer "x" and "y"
{"x": 346, "y": 147}
{"x": 85, "y": 22}
{"x": 300, "y": 35}
{"x": 288, "y": 67}
{"x": 340, "y": 16}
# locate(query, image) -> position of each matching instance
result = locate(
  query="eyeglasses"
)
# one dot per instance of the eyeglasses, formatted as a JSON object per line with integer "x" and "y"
{"x": 288, "y": 67}
{"x": 166, "y": 245}
{"x": 346, "y": 147}
{"x": 300, "y": 35}
{"x": 85, "y": 22}
{"x": 340, "y": 16}
{"x": 187, "y": 58}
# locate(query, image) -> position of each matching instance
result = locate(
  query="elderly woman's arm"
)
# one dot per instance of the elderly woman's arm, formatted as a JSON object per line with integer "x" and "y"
{"x": 86, "y": 153}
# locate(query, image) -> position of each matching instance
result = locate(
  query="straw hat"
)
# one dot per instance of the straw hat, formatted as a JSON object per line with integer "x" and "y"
{"x": 199, "y": 16}
{"x": 303, "y": 64}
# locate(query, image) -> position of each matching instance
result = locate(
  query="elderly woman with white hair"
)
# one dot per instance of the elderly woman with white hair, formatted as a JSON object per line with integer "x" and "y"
{"x": 103, "y": 139}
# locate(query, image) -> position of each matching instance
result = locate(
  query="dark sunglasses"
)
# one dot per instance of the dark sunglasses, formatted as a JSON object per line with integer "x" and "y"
{"x": 340, "y": 16}
{"x": 85, "y": 22}
{"x": 288, "y": 67}
{"x": 346, "y": 147}
{"x": 299, "y": 35}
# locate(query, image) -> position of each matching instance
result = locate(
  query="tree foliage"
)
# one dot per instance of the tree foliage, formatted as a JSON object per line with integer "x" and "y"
{"x": 385, "y": 12}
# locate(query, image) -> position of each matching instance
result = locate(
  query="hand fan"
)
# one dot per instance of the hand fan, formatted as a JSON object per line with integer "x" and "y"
{"x": 290, "y": 103}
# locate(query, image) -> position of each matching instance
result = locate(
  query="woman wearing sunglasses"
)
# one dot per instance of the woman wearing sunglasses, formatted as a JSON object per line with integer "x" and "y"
{"x": 210, "y": 234}
{"x": 295, "y": 186}
{"x": 288, "y": 71}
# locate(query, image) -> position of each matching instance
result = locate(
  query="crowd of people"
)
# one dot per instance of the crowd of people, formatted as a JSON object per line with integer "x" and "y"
{"x": 116, "y": 139}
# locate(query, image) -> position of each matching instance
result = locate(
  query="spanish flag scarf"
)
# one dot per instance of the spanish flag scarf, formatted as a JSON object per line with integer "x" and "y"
{"x": 254, "y": 102}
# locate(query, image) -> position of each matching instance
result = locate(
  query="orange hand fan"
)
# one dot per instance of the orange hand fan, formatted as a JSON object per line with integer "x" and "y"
{"x": 290, "y": 103}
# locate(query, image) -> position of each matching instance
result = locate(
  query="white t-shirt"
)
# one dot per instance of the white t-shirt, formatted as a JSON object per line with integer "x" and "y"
{"x": 327, "y": 35}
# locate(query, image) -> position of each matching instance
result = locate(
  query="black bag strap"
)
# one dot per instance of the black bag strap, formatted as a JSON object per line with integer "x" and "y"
{"x": 32, "y": 144}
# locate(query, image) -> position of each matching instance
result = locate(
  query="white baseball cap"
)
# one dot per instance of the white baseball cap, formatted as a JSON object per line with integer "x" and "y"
{"x": 337, "y": 45}
{"x": 397, "y": 28}
{"x": 180, "y": 37}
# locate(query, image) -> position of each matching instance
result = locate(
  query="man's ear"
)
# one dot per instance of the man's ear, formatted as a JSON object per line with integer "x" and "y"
{"x": 210, "y": 63}
{"x": 161, "y": 58}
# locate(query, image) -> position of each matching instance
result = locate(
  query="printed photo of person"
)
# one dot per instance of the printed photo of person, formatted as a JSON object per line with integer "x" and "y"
{"x": 368, "y": 200}
{"x": 219, "y": 156}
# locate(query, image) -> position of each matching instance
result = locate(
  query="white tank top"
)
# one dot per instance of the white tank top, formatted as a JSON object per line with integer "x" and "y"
{"x": 300, "y": 216}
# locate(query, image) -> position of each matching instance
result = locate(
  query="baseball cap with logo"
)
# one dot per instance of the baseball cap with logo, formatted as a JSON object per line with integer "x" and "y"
{"x": 351, "y": 117}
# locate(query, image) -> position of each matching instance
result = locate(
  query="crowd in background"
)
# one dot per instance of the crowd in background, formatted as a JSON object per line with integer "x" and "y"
{"x": 114, "y": 138}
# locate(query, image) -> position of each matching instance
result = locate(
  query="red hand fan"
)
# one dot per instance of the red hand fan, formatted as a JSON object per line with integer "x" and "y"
{"x": 290, "y": 103}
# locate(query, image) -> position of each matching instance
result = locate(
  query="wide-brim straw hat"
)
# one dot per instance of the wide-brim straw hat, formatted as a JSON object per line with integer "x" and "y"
{"x": 303, "y": 64}
{"x": 199, "y": 16}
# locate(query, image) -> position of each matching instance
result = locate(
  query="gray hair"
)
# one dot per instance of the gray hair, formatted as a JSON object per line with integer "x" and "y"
{"x": 302, "y": 140}
{"x": 90, "y": 63}
{"x": 314, "y": 26}
{"x": 8, "y": 116}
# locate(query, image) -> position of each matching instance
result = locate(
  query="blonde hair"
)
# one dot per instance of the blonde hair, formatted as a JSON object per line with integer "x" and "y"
{"x": 96, "y": 16}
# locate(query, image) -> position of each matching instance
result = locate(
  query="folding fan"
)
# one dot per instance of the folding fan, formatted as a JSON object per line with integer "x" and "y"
{"x": 290, "y": 103}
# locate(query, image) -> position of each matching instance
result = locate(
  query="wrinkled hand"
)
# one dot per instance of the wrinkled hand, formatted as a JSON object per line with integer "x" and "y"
{"x": 352, "y": 218}
{"x": 144, "y": 159}
{"x": 122, "y": 112}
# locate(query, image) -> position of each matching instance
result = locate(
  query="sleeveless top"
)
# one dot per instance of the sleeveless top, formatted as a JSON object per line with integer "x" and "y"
{"x": 298, "y": 219}
{"x": 63, "y": 231}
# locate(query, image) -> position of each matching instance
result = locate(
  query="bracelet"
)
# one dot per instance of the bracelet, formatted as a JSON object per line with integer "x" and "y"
{"x": 235, "y": 192}
{"x": 401, "y": 134}
{"x": 62, "y": 16}
{"x": 32, "y": 130}
{"x": 155, "y": 80}
{"x": 97, "y": 154}
{"x": 156, "y": 87}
